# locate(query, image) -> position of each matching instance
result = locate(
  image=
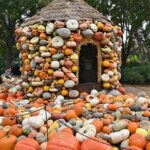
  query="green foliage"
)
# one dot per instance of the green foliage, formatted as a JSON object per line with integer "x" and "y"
{"x": 136, "y": 74}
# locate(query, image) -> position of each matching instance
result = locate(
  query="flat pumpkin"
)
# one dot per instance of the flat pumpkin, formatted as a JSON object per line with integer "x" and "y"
{"x": 90, "y": 144}
{"x": 27, "y": 144}
{"x": 63, "y": 141}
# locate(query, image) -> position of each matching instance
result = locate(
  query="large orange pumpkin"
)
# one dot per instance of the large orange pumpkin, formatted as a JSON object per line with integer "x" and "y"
{"x": 27, "y": 144}
{"x": 63, "y": 141}
{"x": 7, "y": 121}
{"x": 137, "y": 140}
{"x": 90, "y": 144}
{"x": 8, "y": 142}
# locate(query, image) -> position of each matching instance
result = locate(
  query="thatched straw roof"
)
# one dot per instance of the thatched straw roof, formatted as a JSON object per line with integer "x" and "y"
{"x": 60, "y": 10}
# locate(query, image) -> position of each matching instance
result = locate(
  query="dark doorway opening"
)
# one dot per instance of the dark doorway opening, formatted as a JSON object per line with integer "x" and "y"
{"x": 88, "y": 64}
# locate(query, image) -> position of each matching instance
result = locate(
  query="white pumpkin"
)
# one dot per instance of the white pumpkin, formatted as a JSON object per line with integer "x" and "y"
{"x": 69, "y": 84}
{"x": 73, "y": 94}
{"x": 55, "y": 64}
{"x": 49, "y": 28}
{"x": 44, "y": 115}
{"x": 117, "y": 137}
{"x": 89, "y": 130}
{"x": 105, "y": 77}
{"x": 63, "y": 32}
{"x": 35, "y": 122}
{"x": 71, "y": 44}
{"x": 35, "y": 84}
{"x": 46, "y": 54}
{"x": 43, "y": 146}
{"x": 94, "y": 27}
{"x": 57, "y": 42}
{"x": 72, "y": 24}
{"x": 88, "y": 33}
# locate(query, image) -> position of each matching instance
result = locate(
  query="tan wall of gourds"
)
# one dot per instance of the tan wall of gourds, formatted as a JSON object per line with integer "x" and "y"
{"x": 49, "y": 54}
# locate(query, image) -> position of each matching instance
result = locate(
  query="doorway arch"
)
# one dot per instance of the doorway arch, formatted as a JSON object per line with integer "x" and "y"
{"x": 88, "y": 64}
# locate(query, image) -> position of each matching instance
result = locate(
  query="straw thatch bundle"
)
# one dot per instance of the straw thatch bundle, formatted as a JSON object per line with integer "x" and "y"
{"x": 61, "y": 10}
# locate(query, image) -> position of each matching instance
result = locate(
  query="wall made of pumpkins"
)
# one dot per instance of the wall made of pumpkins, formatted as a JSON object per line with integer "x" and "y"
{"x": 49, "y": 54}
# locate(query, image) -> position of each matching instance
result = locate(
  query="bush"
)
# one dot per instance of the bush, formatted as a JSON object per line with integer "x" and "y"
{"x": 136, "y": 74}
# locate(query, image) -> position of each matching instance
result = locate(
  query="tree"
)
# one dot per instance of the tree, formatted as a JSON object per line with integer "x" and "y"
{"x": 130, "y": 15}
{"x": 12, "y": 13}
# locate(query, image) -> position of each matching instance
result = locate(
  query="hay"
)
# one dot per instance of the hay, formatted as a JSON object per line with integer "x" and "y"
{"x": 62, "y": 10}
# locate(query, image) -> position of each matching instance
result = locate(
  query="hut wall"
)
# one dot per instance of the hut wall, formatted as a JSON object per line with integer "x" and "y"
{"x": 49, "y": 54}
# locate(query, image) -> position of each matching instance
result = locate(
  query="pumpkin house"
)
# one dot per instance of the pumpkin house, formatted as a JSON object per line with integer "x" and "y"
{"x": 68, "y": 47}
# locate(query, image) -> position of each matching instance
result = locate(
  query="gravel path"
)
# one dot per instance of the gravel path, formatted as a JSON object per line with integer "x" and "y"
{"x": 138, "y": 88}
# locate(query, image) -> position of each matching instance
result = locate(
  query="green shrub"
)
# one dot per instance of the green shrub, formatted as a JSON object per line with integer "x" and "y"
{"x": 136, "y": 74}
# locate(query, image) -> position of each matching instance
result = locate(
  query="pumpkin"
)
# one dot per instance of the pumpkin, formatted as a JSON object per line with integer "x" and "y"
{"x": 27, "y": 144}
{"x": 63, "y": 141}
{"x": 112, "y": 107}
{"x": 42, "y": 75}
{"x": 142, "y": 132}
{"x": 68, "y": 52}
{"x": 133, "y": 148}
{"x": 146, "y": 114}
{"x": 89, "y": 130}
{"x": 3, "y": 96}
{"x": 106, "y": 85}
{"x": 64, "y": 92}
{"x": 78, "y": 109}
{"x": 72, "y": 24}
{"x": 2, "y": 133}
{"x": 16, "y": 130}
{"x": 106, "y": 63}
{"x": 132, "y": 126}
{"x": 78, "y": 37}
{"x": 95, "y": 144}
{"x": 8, "y": 142}
{"x": 74, "y": 68}
{"x": 98, "y": 36}
{"x": 7, "y": 121}
{"x": 1, "y": 111}
{"x": 148, "y": 146}
{"x": 98, "y": 124}
{"x": 117, "y": 137}
{"x": 70, "y": 115}
{"x": 106, "y": 129}
{"x": 43, "y": 146}
{"x": 137, "y": 140}
{"x": 63, "y": 32}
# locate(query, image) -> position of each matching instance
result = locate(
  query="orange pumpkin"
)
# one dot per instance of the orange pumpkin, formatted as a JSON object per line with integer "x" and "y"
{"x": 112, "y": 107}
{"x": 78, "y": 37}
{"x": 107, "y": 130}
{"x": 2, "y": 133}
{"x": 3, "y": 96}
{"x": 10, "y": 111}
{"x": 42, "y": 75}
{"x": 68, "y": 52}
{"x": 8, "y": 142}
{"x": 63, "y": 141}
{"x": 7, "y": 121}
{"x": 27, "y": 68}
{"x": 132, "y": 126}
{"x": 42, "y": 36}
{"x": 106, "y": 122}
{"x": 148, "y": 146}
{"x": 146, "y": 114}
{"x": 78, "y": 109}
{"x": 19, "y": 93}
{"x": 133, "y": 148}
{"x": 27, "y": 144}
{"x": 1, "y": 111}
{"x": 70, "y": 114}
{"x": 98, "y": 124}
{"x": 53, "y": 51}
{"x": 137, "y": 140}
{"x": 16, "y": 130}
{"x": 90, "y": 144}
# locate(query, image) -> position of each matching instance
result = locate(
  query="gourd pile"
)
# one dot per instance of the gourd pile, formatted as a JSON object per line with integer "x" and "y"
{"x": 42, "y": 110}
{"x": 50, "y": 56}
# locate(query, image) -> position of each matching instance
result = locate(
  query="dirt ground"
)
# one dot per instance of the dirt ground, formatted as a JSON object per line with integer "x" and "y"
{"x": 138, "y": 88}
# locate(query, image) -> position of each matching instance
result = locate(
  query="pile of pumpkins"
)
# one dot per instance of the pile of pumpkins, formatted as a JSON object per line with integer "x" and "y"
{"x": 99, "y": 120}
{"x": 50, "y": 55}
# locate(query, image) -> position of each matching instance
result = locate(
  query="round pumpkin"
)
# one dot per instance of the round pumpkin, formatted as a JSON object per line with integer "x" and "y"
{"x": 132, "y": 126}
{"x": 27, "y": 144}
{"x": 137, "y": 140}
{"x": 7, "y": 121}
{"x": 98, "y": 124}
{"x": 78, "y": 109}
{"x": 63, "y": 141}
{"x": 8, "y": 142}
{"x": 90, "y": 144}
{"x": 148, "y": 146}
{"x": 70, "y": 115}
{"x": 2, "y": 133}
{"x": 68, "y": 52}
{"x": 16, "y": 130}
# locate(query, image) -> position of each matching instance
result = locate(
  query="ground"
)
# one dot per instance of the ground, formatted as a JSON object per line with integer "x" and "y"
{"x": 138, "y": 88}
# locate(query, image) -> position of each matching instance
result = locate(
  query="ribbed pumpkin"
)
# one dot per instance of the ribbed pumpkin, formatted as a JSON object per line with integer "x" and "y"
{"x": 98, "y": 124}
{"x": 78, "y": 109}
{"x": 8, "y": 121}
{"x": 63, "y": 141}
{"x": 137, "y": 140}
{"x": 132, "y": 126}
{"x": 70, "y": 115}
{"x": 2, "y": 133}
{"x": 90, "y": 144}
{"x": 16, "y": 130}
{"x": 27, "y": 144}
{"x": 8, "y": 142}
